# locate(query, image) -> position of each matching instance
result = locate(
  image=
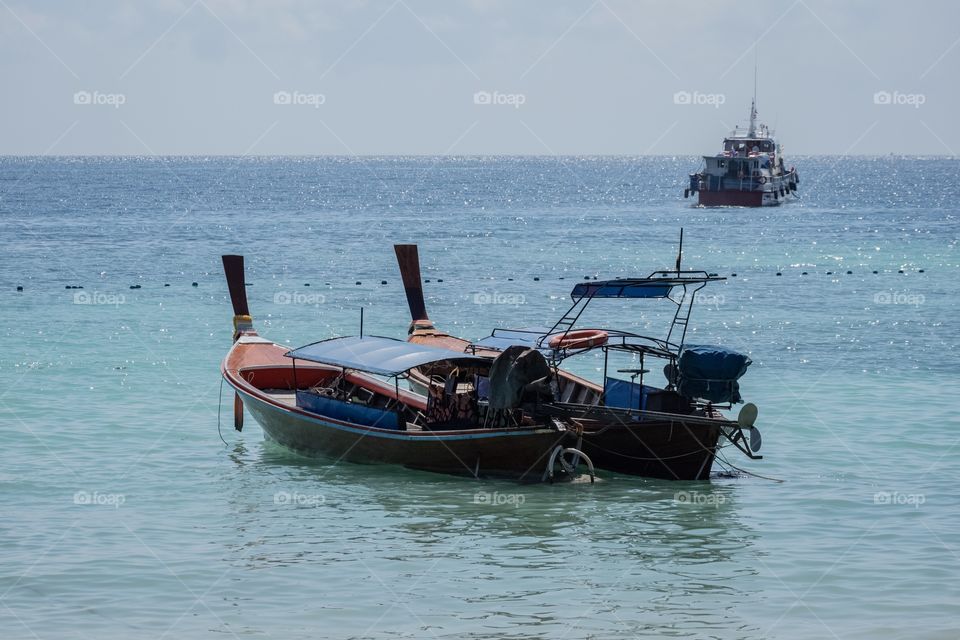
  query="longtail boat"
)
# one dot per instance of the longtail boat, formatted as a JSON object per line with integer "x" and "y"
{"x": 627, "y": 426}
{"x": 334, "y": 398}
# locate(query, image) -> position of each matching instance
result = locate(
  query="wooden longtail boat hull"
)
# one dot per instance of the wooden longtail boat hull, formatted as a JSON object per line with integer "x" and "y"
{"x": 264, "y": 380}
{"x": 521, "y": 455}
{"x": 667, "y": 450}
{"x": 357, "y": 417}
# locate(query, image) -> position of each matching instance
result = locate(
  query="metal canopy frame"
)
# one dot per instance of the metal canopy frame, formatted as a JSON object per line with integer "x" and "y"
{"x": 689, "y": 282}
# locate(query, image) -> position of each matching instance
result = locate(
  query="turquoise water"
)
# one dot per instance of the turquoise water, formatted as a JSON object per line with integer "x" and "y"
{"x": 124, "y": 515}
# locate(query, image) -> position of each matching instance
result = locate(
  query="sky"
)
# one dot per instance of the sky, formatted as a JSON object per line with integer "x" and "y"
{"x": 416, "y": 77}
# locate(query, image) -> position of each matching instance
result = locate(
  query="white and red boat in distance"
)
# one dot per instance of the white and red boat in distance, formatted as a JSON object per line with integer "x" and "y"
{"x": 748, "y": 172}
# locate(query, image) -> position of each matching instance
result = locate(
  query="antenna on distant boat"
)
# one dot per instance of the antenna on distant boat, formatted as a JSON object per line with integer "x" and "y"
{"x": 753, "y": 105}
{"x": 680, "y": 251}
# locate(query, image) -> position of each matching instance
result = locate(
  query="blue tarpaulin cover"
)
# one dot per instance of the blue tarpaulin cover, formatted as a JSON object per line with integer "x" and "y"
{"x": 711, "y": 373}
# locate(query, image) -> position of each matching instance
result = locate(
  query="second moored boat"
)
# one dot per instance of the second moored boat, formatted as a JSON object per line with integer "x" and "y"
{"x": 623, "y": 425}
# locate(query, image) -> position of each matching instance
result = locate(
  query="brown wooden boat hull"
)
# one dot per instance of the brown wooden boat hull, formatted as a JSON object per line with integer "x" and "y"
{"x": 253, "y": 369}
{"x": 668, "y": 450}
{"x": 520, "y": 454}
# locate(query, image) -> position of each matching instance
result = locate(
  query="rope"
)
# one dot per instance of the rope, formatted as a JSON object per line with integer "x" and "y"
{"x": 749, "y": 473}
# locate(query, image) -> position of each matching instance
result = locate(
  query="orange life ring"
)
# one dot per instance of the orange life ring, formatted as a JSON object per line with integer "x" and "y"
{"x": 583, "y": 339}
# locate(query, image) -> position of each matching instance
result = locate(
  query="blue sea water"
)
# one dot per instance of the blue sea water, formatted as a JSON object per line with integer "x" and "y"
{"x": 124, "y": 515}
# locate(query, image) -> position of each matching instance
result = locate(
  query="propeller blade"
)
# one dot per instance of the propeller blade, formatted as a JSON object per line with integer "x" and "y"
{"x": 233, "y": 269}
{"x": 409, "y": 260}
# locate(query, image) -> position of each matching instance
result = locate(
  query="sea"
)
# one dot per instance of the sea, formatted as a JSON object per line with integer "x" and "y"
{"x": 131, "y": 508}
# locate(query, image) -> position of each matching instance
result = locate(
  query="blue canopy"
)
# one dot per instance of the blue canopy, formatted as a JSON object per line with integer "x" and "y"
{"x": 657, "y": 285}
{"x": 379, "y": 355}
{"x": 633, "y": 288}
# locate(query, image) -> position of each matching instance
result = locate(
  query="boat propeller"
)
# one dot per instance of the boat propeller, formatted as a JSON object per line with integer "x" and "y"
{"x": 746, "y": 419}
{"x": 408, "y": 259}
{"x": 236, "y": 283}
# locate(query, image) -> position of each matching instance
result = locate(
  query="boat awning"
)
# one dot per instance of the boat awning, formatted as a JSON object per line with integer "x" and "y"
{"x": 502, "y": 339}
{"x": 379, "y": 355}
{"x": 635, "y": 288}
{"x": 657, "y": 285}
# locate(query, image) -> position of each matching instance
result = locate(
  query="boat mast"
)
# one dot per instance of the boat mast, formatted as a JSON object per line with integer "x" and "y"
{"x": 753, "y": 105}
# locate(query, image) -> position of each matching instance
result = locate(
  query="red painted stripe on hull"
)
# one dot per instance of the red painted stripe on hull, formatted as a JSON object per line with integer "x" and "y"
{"x": 731, "y": 198}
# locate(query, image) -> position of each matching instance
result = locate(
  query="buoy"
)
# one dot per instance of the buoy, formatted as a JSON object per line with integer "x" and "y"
{"x": 849, "y": 272}
{"x": 779, "y": 274}
{"x": 306, "y": 284}
{"x": 166, "y": 284}
{"x": 920, "y": 271}
{"x": 439, "y": 279}
{"x": 536, "y": 279}
{"x": 829, "y": 273}
{"x": 194, "y": 284}
{"x": 383, "y": 282}
{"x": 68, "y": 287}
{"x": 901, "y": 271}
{"x": 427, "y": 280}
{"x": 804, "y": 273}
{"x": 583, "y": 339}
{"x": 358, "y": 282}
{"x": 733, "y": 275}
{"x": 875, "y": 271}
{"x": 561, "y": 277}
{"x": 19, "y": 288}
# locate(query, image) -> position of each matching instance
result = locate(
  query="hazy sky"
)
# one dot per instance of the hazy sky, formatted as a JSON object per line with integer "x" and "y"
{"x": 474, "y": 77}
